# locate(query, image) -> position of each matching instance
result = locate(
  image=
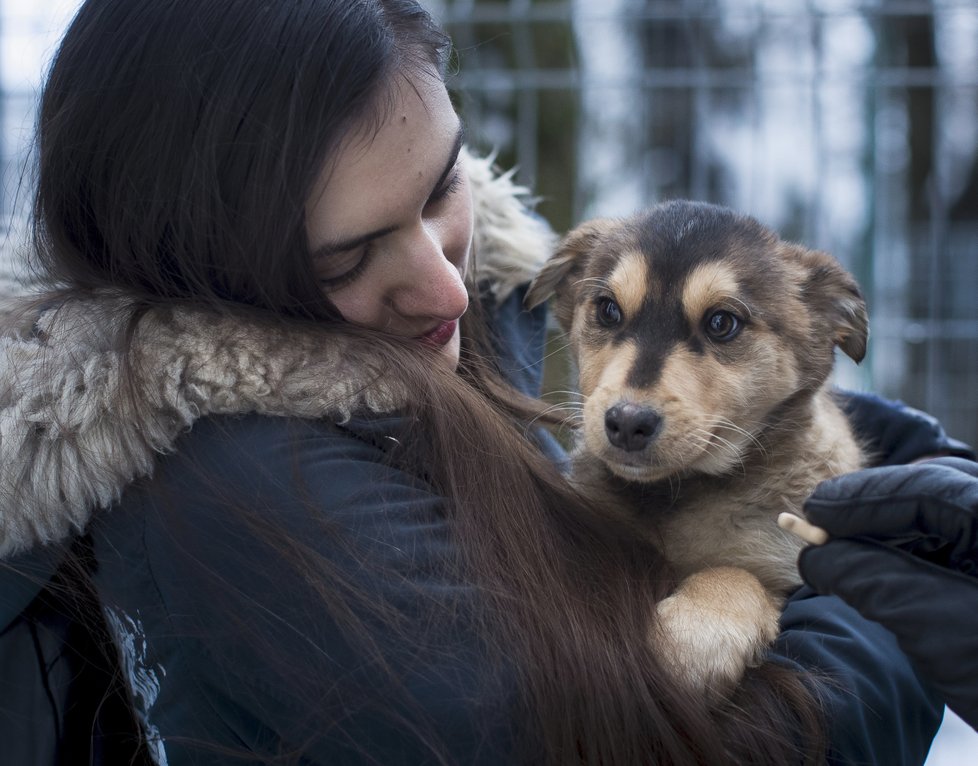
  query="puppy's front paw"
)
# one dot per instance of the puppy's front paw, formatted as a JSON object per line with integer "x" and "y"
{"x": 717, "y": 623}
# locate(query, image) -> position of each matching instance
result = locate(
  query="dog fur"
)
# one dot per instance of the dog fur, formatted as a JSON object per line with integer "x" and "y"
{"x": 704, "y": 344}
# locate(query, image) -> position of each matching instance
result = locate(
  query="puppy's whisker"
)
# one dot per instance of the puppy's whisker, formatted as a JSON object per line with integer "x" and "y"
{"x": 569, "y": 407}
{"x": 729, "y": 425}
{"x": 738, "y": 301}
{"x": 726, "y": 444}
{"x": 574, "y": 412}
{"x": 561, "y": 428}
{"x": 674, "y": 488}
{"x": 599, "y": 281}
{"x": 568, "y": 420}
{"x": 569, "y": 410}
{"x": 572, "y": 394}
{"x": 725, "y": 422}
{"x": 728, "y": 448}
{"x": 557, "y": 351}
{"x": 715, "y": 445}
{"x": 701, "y": 436}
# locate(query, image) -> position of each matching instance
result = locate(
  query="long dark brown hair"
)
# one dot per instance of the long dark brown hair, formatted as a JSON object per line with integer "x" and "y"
{"x": 178, "y": 142}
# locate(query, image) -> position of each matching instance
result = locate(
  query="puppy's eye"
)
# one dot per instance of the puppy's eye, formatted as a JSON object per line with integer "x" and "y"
{"x": 609, "y": 312}
{"x": 723, "y": 325}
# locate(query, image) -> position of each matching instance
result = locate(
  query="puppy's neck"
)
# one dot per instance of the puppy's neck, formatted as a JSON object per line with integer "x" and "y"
{"x": 787, "y": 430}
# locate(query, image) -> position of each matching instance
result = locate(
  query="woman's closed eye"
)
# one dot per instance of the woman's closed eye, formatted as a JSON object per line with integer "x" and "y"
{"x": 448, "y": 187}
{"x": 340, "y": 268}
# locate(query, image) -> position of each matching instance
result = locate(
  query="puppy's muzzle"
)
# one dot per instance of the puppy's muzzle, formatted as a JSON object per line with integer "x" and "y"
{"x": 631, "y": 427}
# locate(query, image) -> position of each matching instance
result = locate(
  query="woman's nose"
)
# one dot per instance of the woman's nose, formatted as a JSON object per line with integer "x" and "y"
{"x": 432, "y": 285}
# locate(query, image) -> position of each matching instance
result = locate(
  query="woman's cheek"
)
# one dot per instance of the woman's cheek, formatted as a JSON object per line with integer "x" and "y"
{"x": 358, "y": 305}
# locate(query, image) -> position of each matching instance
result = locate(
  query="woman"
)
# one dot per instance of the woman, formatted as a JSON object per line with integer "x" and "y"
{"x": 318, "y": 524}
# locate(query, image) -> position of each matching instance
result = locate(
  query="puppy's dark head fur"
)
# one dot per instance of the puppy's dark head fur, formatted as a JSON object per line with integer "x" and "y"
{"x": 690, "y": 325}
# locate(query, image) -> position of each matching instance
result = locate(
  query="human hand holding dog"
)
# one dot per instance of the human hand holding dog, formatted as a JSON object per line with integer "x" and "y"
{"x": 903, "y": 551}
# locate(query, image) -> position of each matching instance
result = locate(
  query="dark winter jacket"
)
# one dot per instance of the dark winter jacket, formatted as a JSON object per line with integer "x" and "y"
{"x": 238, "y": 418}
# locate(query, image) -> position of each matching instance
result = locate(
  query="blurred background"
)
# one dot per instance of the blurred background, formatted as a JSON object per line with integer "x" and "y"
{"x": 847, "y": 125}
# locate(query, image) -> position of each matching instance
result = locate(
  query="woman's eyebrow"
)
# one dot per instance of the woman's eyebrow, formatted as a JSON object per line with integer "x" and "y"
{"x": 330, "y": 248}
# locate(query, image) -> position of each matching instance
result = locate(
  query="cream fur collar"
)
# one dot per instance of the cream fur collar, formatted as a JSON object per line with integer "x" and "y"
{"x": 74, "y": 434}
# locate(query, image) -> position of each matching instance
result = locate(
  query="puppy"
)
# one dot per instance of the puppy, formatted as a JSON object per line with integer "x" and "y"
{"x": 703, "y": 344}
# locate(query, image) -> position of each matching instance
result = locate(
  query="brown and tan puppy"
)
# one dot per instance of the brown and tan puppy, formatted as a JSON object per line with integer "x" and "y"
{"x": 704, "y": 344}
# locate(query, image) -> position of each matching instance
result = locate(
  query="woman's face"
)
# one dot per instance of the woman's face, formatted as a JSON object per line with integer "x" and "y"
{"x": 390, "y": 223}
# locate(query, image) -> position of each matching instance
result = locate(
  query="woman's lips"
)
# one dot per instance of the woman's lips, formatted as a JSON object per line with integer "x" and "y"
{"x": 441, "y": 334}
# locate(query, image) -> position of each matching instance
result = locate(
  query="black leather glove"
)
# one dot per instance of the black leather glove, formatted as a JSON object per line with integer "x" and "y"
{"x": 904, "y": 552}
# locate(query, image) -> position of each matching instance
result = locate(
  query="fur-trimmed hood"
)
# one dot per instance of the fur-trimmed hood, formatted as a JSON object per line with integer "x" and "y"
{"x": 76, "y": 429}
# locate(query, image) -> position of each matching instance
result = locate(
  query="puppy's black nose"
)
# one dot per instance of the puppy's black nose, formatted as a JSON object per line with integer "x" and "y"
{"x": 630, "y": 426}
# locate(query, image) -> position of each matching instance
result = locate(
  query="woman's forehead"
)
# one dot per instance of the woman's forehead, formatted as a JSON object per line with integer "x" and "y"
{"x": 390, "y": 165}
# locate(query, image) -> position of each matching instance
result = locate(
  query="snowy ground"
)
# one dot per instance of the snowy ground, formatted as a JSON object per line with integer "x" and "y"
{"x": 956, "y": 744}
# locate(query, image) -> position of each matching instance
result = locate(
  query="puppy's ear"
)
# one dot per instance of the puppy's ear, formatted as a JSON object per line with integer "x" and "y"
{"x": 836, "y": 295}
{"x": 567, "y": 262}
